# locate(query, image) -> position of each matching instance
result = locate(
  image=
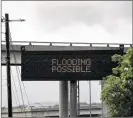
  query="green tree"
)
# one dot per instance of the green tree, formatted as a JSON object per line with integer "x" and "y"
{"x": 117, "y": 91}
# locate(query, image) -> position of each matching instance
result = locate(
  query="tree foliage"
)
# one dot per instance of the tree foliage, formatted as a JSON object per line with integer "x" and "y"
{"x": 117, "y": 91}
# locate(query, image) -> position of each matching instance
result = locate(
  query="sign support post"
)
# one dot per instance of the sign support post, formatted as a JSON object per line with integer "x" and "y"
{"x": 73, "y": 98}
{"x": 63, "y": 99}
{"x": 90, "y": 96}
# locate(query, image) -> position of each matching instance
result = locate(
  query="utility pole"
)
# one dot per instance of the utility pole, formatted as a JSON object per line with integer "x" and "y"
{"x": 9, "y": 90}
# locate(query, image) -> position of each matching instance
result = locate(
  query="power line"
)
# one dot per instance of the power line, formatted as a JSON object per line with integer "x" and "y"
{"x": 16, "y": 93}
{"x": 23, "y": 86}
{"x": 15, "y": 97}
{"x": 18, "y": 70}
{"x": 7, "y": 36}
{"x": 18, "y": 77}
{"x": 15, "y": 88}
{"x": 21, "y": 89}
{"x": 18, "y": 73}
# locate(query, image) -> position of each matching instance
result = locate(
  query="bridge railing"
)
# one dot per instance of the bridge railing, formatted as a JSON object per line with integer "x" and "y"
{"x": 68, "y": 44}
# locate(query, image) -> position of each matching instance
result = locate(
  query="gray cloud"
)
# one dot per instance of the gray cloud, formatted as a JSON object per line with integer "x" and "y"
{"x": 103, "y": 13}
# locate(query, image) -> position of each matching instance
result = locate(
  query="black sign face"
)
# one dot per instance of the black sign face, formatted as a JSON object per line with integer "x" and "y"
{"x": 66, "y": 65}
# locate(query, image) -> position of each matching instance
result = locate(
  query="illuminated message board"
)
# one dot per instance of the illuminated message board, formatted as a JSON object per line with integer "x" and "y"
{"x": 66, "y": 65}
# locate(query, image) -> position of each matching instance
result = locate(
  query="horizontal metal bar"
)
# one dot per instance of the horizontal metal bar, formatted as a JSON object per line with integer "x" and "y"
{"x": 14, "y": 64}
{"x": 68, "y": 43}
{"x": 72, "y": 117}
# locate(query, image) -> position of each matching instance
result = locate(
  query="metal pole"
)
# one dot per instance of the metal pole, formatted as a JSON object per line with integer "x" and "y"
{"x": 104, "y": 106}
{"x": 102, "y": 100}
{"x": 73, "y": 98}
{"x": 90, "y": 95}
{"x": 63, "y": 99}
{"x": 69, "y": 98}
{"x": 78, "y": 96}
{"x": 9, "y": 92}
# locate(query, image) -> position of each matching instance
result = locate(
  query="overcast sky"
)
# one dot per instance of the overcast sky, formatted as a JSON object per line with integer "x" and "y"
{"x": 75, "y": 21}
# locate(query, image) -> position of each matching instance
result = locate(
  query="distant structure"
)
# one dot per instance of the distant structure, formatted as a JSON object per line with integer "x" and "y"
{"x": 41, "y": 110}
